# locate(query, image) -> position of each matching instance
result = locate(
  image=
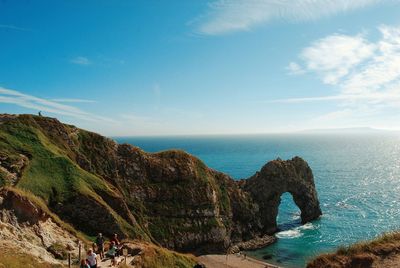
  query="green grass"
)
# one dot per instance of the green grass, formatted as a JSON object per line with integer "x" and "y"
{"x": 3, "y": 179}
{"x": 51, "y": 173}
{"x": 59, "y": 251}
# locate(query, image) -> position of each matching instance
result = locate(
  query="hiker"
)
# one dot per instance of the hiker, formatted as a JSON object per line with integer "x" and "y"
{"x": 84, "y": 264}
{"x": 40, "y": 113}
{"x": 94, "y": 247}
{"x": 100, "y": 245}
{"x": 112, "y": 251}
{"x": 115, "y": 240}
{"x": 92, "y": 259}
{"x": 116, "y": 243}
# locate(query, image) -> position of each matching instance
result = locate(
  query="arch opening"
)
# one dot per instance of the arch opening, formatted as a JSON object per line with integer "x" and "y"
{"x": 289, "y": 214}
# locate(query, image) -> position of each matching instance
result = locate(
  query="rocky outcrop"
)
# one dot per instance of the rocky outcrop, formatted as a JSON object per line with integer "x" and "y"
{"x": 26, "y": 227}
{"x": 169, "y": 197}
{"x": 255, "y": 243}
{"x": 11, "y": 168}
{"x": 278, "y": 177}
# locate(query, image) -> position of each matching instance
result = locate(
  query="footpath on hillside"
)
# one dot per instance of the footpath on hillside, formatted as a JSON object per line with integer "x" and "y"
{"x": 232, "y": 261}
{"x": 120, "y": 260}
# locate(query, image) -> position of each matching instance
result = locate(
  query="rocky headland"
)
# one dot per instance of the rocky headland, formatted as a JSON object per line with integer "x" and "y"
{"x": 170, "y": 198}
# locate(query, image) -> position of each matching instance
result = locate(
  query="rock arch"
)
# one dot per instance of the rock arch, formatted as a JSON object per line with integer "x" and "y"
{"x": 277, "y": 177}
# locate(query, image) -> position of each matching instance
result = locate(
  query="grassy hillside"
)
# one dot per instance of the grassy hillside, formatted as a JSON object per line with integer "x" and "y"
{"x": 50, "y": 172}
{"x": 362, "y": 254}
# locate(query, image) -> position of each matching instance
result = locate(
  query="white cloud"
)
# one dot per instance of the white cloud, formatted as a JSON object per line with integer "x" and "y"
{"x": 334, "y": 56}
{"x": 387, "y": 97}
{"x": 13, "y": 27}
{"x": 81, "y": 61}
{"x": 225, "y": 16}
{"x": 74, "y": 100}
{"x": 365, "y": 73}
{"x": 122, "y": 124}
{"x": 50, "y": 106}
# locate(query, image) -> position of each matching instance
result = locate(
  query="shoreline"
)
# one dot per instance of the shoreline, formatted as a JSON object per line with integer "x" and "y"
{"x": 233, "y": 261}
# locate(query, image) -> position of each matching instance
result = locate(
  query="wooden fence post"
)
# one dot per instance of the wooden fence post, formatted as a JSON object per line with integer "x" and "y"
{"x": 79, "y": 254}
{"x": 69, "y": 260}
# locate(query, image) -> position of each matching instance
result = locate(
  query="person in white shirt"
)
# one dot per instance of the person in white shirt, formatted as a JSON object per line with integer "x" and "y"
{"x": 92, "y": 258}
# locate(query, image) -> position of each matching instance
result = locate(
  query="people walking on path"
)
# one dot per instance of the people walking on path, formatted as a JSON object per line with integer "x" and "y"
{"x": 92, "y": 258}
{"x": 100, "y": 245}
{"x": 115, "y": 240}
{"x": 112, "y": 252}
{"x": 117, "y": 244}
{"x": 84, "y": 264}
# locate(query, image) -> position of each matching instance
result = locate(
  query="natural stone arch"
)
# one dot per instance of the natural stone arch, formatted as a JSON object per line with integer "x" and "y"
{"x": 274, "y": 179}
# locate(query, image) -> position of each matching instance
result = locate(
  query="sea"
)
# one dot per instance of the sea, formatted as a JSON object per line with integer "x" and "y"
{"x": 357, "y": 176}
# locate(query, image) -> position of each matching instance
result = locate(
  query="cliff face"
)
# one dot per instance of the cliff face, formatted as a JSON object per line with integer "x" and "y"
{"x": 27, "y": 228}
{"x": 31, "y": 235}
{"x": 170, "y": 197}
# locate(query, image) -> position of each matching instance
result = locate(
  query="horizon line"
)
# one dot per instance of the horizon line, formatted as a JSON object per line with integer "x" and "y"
{"x": 352, "y": 130}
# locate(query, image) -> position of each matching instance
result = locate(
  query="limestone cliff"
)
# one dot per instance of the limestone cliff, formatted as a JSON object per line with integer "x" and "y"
{"x": 170, "y": 197}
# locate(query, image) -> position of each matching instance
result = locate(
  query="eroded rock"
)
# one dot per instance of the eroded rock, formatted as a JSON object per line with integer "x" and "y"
{"x": 278, "y": 177}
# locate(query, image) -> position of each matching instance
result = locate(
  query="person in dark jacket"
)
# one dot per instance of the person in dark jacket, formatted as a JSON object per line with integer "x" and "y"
{"x": 100, "y": 245}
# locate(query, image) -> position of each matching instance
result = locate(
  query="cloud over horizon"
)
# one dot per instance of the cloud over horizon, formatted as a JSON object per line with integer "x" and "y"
{"x": 365, "y": 73}
{"x": 242, "y": 15}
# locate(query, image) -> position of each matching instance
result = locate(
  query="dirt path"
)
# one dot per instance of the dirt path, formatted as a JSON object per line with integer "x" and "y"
{"x": 107, "y": 262}
{"x": 232, "y": 261}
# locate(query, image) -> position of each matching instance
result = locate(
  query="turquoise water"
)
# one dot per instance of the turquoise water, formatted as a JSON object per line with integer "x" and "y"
{"x": 357, "y": 178}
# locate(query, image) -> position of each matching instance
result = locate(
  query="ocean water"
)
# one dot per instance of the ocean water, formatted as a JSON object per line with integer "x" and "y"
{"x": 357, "y": 178}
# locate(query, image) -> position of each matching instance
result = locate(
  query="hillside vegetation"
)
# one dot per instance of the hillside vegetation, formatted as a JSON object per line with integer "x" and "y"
{"x": 378, "y": 252}
{"x": 41, "y": 162}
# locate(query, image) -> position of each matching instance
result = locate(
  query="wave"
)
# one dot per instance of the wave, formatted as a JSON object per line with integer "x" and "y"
{"x": 307, "y": 226}
{"x": 296, "y": 232}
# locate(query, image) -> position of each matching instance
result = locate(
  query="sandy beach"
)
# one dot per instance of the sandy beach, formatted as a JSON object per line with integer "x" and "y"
{"x": 232, "y": 261}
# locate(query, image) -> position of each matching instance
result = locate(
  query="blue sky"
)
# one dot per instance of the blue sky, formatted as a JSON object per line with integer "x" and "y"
{"x": 202, "y": 67}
